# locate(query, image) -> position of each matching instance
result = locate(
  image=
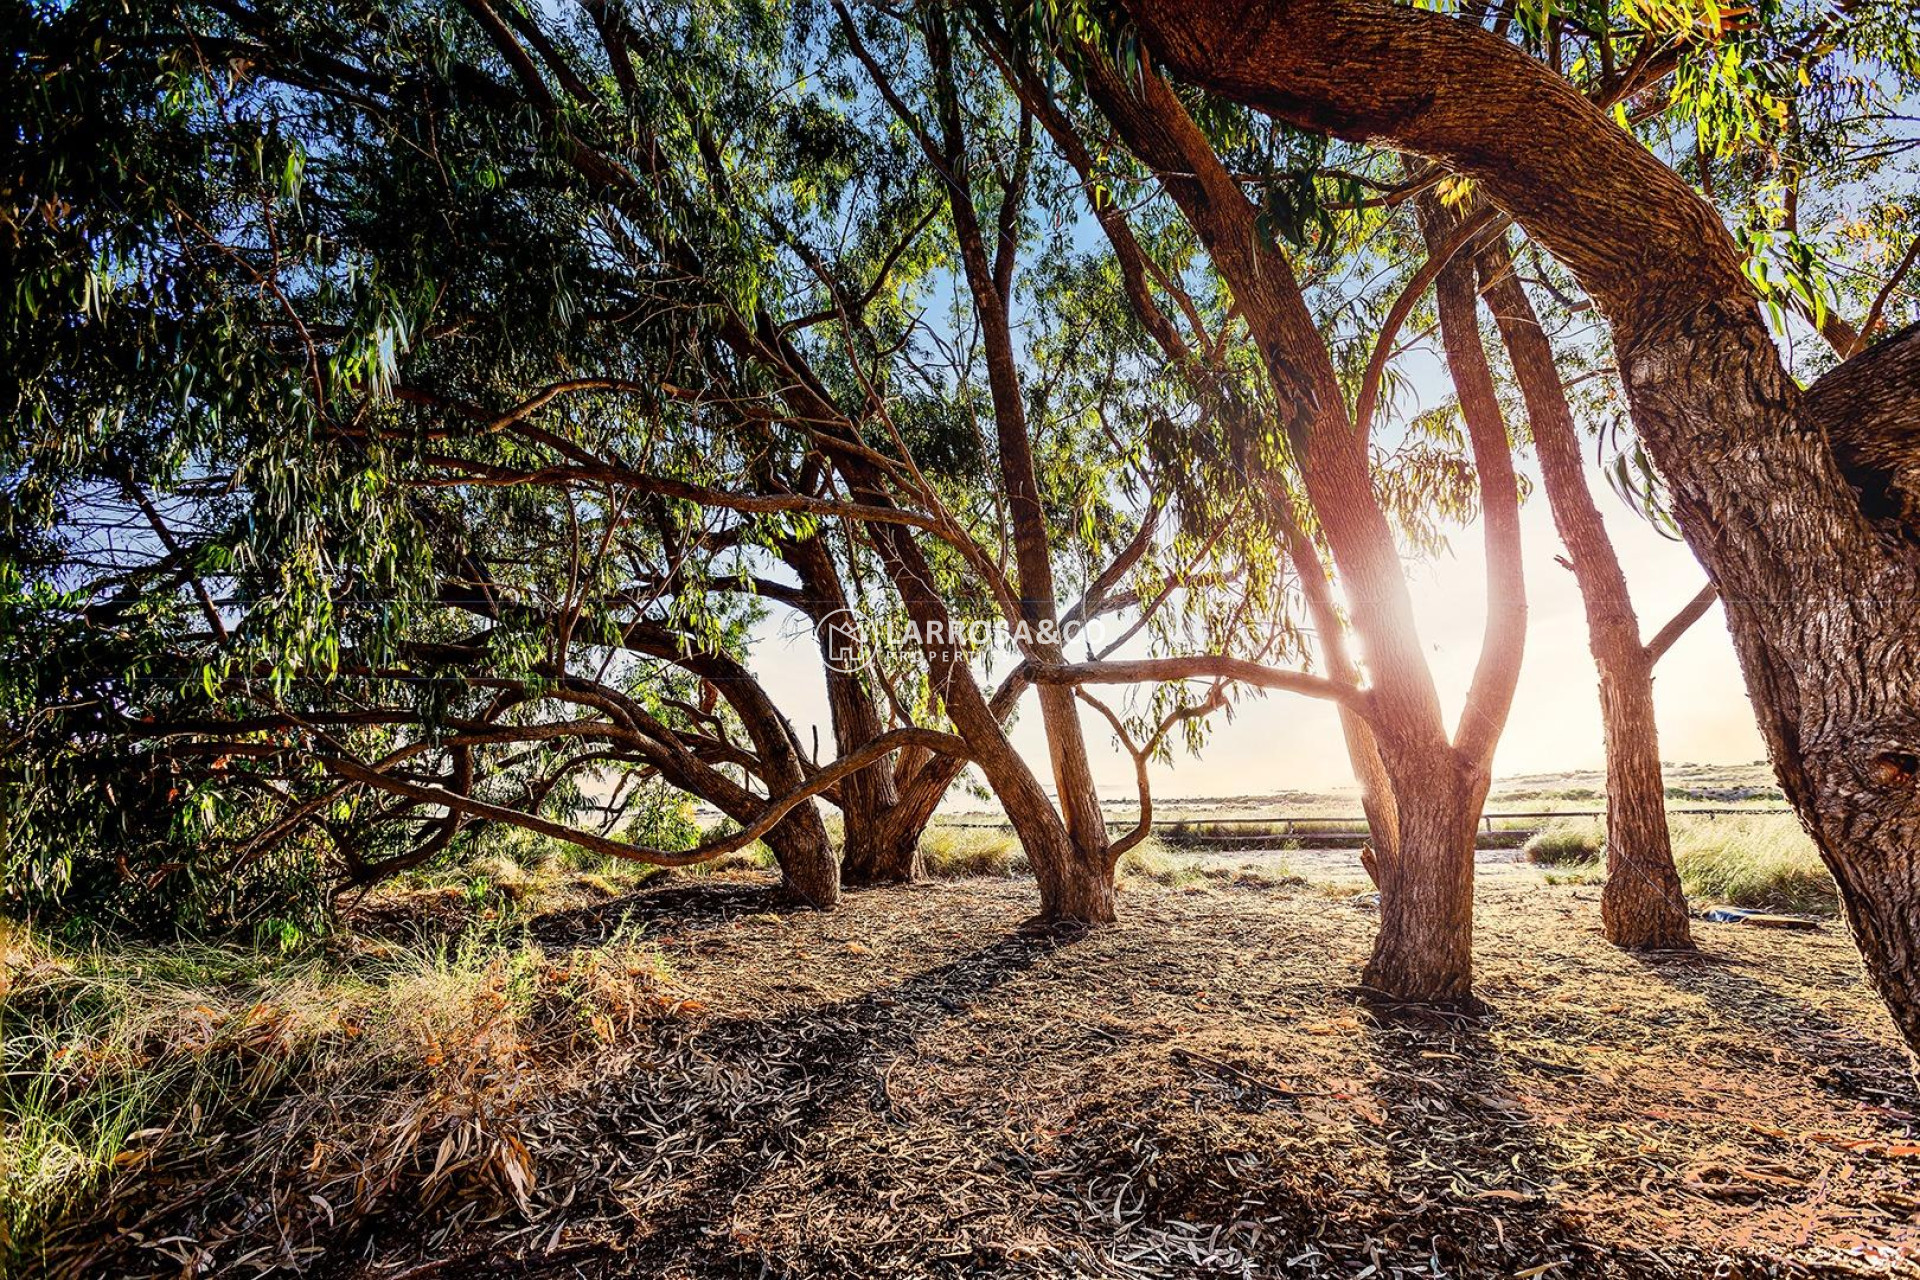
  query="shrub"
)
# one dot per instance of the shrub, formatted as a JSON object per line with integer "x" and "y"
{"x": 1566, "y": 842}
{"x": 950, "y": 853}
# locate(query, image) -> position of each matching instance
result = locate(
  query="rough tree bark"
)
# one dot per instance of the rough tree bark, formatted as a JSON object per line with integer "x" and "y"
{"x": 1424, "y": 947}
{"x": 1642, "y": 906}
{"x": 1796, "y": 512}
{"x": 876, "y": 846}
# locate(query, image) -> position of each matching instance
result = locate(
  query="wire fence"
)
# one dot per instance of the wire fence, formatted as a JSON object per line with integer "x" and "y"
{"x": 1287, "y": 826}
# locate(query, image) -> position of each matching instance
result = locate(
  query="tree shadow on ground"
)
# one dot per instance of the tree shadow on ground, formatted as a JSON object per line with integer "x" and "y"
{"x": 723, "y": 1102}
{"x": 687, "y": 907}
{"x": 1837, "y": 1058}
{"x": 1469, "y": 1171}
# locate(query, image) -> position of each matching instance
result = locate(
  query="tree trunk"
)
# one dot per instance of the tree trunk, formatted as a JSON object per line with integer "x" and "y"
{"x": 809, "y": 873}
{"x": 1421, "y": 889}
{"x": 876, "y": 848}
{"x": 1797, "y": 508}
{"x": 1642, "y": 906}
{"x": 1423, "y": 951}
{"x": 989, "y": 275}
{"x": 1076, "y": 881}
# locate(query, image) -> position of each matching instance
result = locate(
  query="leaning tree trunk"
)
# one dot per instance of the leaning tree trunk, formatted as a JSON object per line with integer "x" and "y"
{"x": 1076, "y": 882}
{"x": 1642, "y": 906}
{"x": 799, "y": 841}
{"x": 1798, "y": 503}
{"x": 1077, "y": 887}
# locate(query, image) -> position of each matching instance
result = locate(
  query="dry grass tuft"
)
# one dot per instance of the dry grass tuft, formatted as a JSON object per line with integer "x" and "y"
{"x": 1566, "y": 842}
{"x": 1750, "y": 861}
{"x": 1150, "y": 860}
{"x": 1741, "y": 860}
{"x": 953, "y": 853}
{"x": 346, "y": 1079}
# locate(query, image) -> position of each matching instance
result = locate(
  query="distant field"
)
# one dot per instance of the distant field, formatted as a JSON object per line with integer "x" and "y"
{"x": 1701, "y": 786}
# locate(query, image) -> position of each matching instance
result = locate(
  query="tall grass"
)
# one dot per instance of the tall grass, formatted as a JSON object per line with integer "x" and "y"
{"x": 950, "y": 853}
{"x": 1151, "y": 860}
{"x": 402, "y": 1071}
{"x": 1742, "y": 860}
{"x": 1753, "y": 861}
{"x": 1566, "y": 842}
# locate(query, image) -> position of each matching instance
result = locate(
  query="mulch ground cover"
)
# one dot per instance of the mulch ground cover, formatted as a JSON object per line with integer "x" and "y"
{"x": 911, "y": 1086}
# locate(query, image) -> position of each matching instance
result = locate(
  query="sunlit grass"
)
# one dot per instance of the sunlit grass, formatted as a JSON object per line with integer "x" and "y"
{"x": 1152, "y": 861}
{"x": 1763, "y": 862}
{"x": 368, "y": 1054}
{"x": 1758, "y": 861}
{"x": 1565, "y": 842}
{"x": 952, "y": 852}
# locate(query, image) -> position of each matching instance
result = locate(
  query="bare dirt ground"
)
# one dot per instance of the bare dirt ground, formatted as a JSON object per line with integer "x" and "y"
{"x": 910, "y": 1086}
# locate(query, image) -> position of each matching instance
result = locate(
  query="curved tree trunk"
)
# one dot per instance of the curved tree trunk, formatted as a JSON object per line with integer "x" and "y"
{"x": 799, "y": 842}
{"x": 1796, "y": 502}
{"x": 1078, "y": 886}
{"x": 1642, "y": 906}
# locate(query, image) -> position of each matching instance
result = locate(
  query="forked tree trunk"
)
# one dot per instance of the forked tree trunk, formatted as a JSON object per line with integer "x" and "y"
{"x": 1424, "y": 948}
{"x": 1070, "y": 877}
{"x": 1430, "y": 882}
{"x": 1076, "y": 883}
{"x": 1642, "y": 906}
{"x": 1799, "y": 504}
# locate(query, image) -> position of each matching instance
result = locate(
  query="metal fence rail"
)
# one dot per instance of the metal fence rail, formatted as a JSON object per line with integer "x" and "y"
{"x": 1287, "y": 826}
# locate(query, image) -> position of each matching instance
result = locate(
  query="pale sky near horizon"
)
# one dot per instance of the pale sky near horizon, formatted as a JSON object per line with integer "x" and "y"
{"x": 1286, "y": 742}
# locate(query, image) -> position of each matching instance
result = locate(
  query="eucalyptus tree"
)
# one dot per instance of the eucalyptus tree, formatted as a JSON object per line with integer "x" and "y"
{"x": 256, "y": 316}
{"x": 1786, "y": 123}
{"x": 569, "y": 329}
{"x": 1427, "y": 782}
{"x": 1795, "y": 499}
